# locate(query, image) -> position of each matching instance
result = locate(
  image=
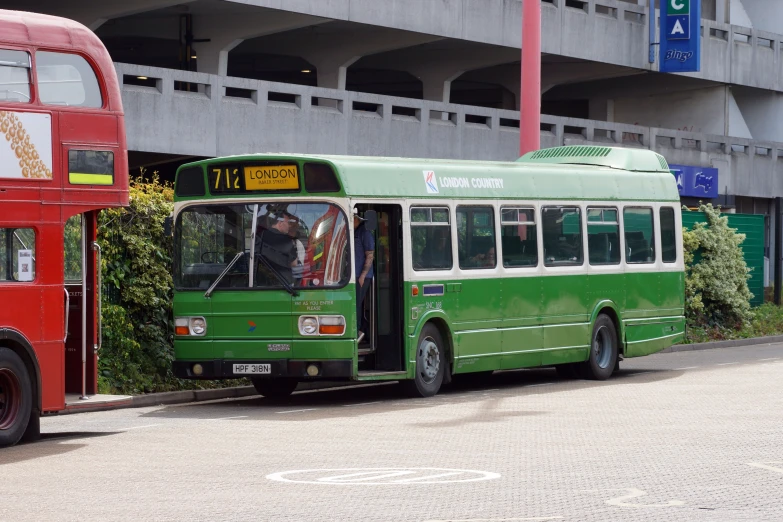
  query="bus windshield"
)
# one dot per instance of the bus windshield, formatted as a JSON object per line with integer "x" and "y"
{"x": 304, "y": 245}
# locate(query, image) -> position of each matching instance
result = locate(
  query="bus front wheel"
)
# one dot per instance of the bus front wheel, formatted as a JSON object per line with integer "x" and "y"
{"x": 274, "y": 388}
{"x": 431, "y": 364}
{"x": 16, "y": 398}
{"x": 600, "y": 364}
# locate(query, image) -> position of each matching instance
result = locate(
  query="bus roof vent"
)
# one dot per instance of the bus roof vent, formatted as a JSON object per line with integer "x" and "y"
{"x": 638, "y": 160}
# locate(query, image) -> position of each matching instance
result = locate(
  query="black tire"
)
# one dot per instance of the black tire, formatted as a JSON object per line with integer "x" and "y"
{"x": 33, "y": 432}
{"x": 16, "y": 398}
{"x": 602, "y": 360}
{"x": 274, "y": 388}
{"x": 431, "y": 361}
{"x": 568, "y": 371}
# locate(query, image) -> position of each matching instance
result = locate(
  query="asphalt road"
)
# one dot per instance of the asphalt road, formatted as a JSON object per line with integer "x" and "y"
{"x": 677, "y": 436}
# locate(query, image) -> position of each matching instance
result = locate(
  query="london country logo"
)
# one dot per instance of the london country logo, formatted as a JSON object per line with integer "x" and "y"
{"x": 431, "y": 182}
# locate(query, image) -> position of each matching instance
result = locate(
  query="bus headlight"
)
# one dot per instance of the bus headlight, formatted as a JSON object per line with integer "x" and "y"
{"x": 308, "y": 325}
{"x": 184, "y": 326}
{"x": 198, "y": 325}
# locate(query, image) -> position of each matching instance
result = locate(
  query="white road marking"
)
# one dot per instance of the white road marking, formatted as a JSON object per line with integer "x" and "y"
{"x": 140, "y": 427}
{"x": 428, "y": 477}
{"x": 634, "y": 493}
{"x": 639, "y": 373}
{"x": 770, "y": 468}
{"x": 297, "y": 411}
{"x": 534, "y": 385}
{"x": 361, "y": 404}
{"x": 770, "y": 359}
{"x": 726, "y": 364}
{"x": 366, "y": 475}
{"x": 686, "y": 368}
{"x": 494, "y": 519}
{"x": 382, "y": 476}
{"x": 227, "y": 418}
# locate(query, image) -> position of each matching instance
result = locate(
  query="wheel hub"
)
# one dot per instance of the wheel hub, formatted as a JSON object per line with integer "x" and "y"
{"x": 429, "y": 359}
{"x": 602, "y": 348}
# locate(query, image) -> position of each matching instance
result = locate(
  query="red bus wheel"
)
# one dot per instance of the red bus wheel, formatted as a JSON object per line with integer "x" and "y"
{"x": 15, "y": 398}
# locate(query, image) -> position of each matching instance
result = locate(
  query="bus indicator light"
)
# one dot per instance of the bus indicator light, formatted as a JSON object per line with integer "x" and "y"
{"x": 415, "y": 290}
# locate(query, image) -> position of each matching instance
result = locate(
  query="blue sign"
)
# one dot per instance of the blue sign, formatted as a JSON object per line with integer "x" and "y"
{"x": 697, "y": 182}
{"x": 680, "y": 37}
{"x": 678, "y": 28}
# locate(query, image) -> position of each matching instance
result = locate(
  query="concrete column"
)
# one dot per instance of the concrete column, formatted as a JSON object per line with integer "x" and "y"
{"x": 333, "y": 72}
{"x": 437, "y": 71}
{"x": 437, "y": 84}
{"x": 333, "y": 53}
{"x": 226, "y": 32}
{"x": 722, "y": 11}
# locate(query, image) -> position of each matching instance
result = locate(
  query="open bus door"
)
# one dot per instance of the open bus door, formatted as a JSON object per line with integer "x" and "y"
{"x": 83, "y": 315}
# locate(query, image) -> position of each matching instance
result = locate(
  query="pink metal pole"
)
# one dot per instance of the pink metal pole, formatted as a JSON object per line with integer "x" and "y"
{"x": 530, "y": 88}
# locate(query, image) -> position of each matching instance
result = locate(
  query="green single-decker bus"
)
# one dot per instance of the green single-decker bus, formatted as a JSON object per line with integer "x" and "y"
{"x": 570, "y": 257}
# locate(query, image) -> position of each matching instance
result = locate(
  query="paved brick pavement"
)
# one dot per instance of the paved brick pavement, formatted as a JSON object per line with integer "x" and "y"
{"x": 677, "y": 437}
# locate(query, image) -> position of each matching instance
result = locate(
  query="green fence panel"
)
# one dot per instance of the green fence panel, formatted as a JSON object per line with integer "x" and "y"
{"x": 752, "y": 225}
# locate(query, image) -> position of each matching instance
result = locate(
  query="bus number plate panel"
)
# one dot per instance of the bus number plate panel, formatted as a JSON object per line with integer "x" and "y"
{"x": 245, "y": 369}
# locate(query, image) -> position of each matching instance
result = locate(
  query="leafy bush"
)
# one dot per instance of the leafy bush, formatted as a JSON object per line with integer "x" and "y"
{"x": 138, "y": 289}
{"x": 137, "y": 349}
{"x": 716, "y": 275}
{"x": 766, "y": 320}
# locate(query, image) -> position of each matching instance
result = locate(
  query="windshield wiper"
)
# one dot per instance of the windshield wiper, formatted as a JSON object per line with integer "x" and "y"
{"x": 223, "y": 274}
{"x": 290, "y": 289}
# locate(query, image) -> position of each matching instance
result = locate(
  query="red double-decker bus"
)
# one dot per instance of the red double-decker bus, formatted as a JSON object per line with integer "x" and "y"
{"x": 63, "y": 158}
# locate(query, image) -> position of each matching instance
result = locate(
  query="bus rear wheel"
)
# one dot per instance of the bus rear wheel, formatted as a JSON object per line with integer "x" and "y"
{"x": 601, "y": 363}
{"x": 274, "y": 388}
{"x": 431, "y": 364}
{"x": 16, "y": 400}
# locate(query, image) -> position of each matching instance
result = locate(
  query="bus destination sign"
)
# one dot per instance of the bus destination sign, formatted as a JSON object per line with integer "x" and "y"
{"x": 237, "y": 179}
{"x": 278, "y": 177}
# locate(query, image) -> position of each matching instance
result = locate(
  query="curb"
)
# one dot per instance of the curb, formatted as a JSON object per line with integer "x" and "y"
{"x": 724, "y": 344}
{"x": 192, "y": 396}
{"x": 179, "y": 397}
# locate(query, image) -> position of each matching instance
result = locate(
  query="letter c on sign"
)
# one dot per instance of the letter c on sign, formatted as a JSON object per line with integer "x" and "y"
{"x": 677, "y": 5}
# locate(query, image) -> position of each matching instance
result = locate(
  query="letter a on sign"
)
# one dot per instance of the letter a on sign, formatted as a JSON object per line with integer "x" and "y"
{"x": 678, "y": 23}
{"x": 678, "y": 27}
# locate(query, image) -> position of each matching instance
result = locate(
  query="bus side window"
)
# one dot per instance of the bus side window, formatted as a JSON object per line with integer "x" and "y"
{"x": 668, "y": 235}
{"x": 639, "y": 238}
{"x": 14, "y": 76}
{"x": 518, "y": 237}
{"x": 17, "y": 254}
{"x": 431, "y": 238}
{"x": 66, "y": 79}
{"x": 603, "y": 236}
{"x": 476, "y": 237}
{"x": 562, "y": 228}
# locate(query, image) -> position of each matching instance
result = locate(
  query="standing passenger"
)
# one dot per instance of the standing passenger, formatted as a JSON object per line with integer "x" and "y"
{"x": 364, "y": 253}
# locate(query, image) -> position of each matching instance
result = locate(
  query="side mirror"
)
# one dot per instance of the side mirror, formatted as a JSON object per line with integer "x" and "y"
{"x": 372, "y": 220}
{"x": 167, "y": 225}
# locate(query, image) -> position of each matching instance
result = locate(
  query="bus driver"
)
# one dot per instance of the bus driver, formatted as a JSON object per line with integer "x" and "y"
{"x": 277, "y": 247}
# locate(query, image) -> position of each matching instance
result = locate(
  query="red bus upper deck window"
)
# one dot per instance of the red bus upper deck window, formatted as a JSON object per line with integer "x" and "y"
{"x": 14, "y": 76}
{"x": 67, "y": 79}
